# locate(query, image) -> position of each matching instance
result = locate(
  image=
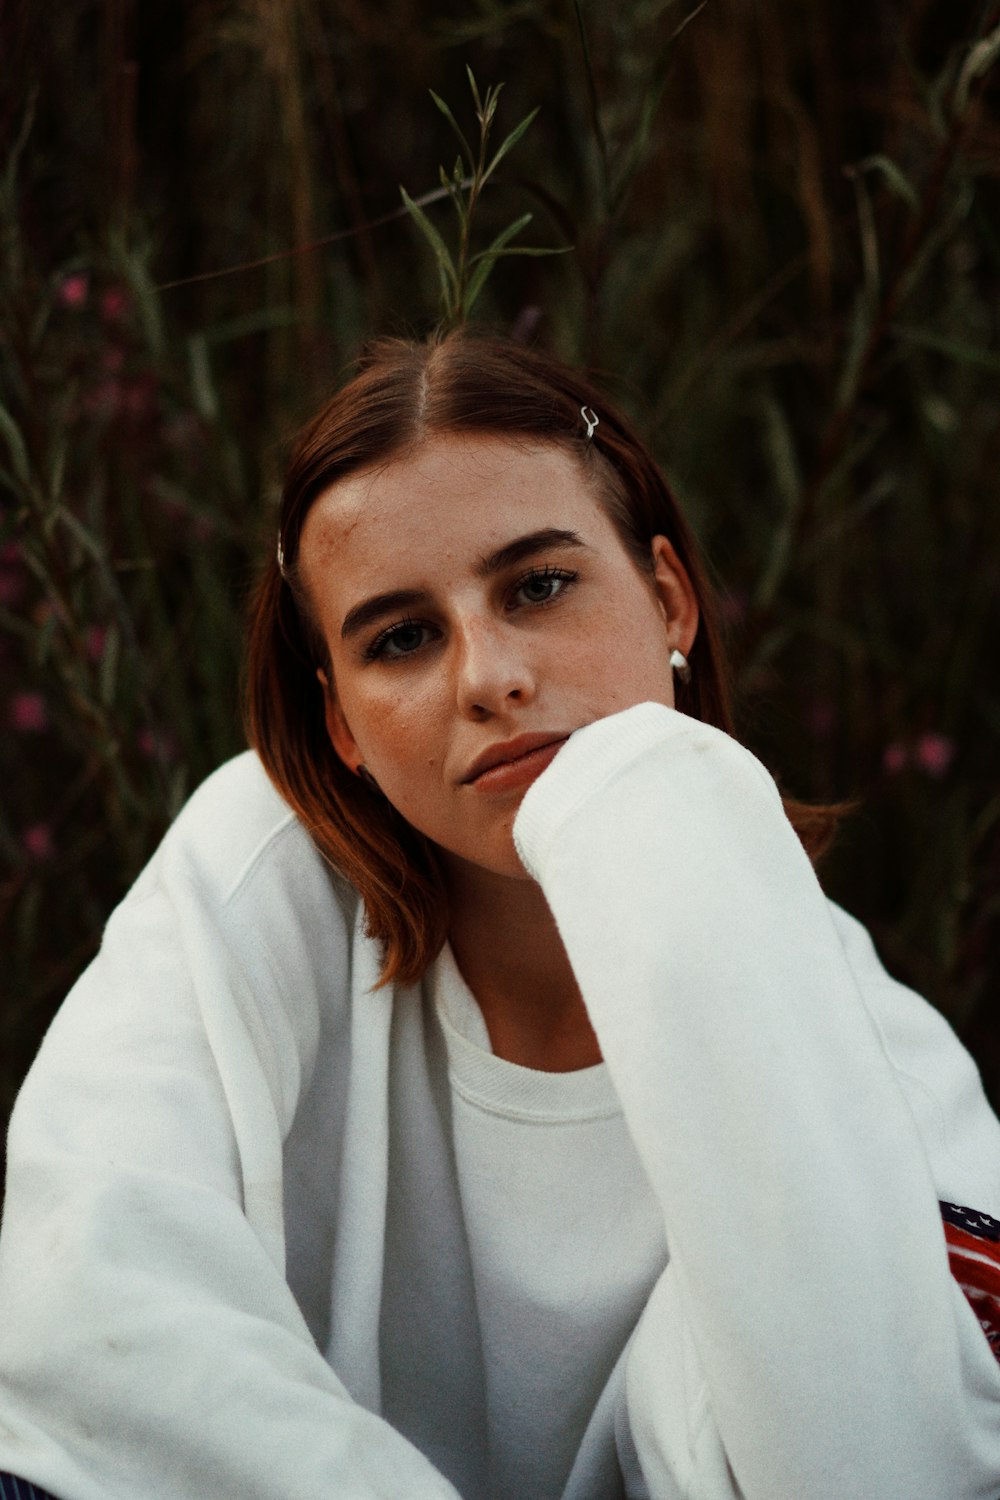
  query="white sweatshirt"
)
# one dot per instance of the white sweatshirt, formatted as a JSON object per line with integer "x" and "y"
{"x": 203, "y": 1227}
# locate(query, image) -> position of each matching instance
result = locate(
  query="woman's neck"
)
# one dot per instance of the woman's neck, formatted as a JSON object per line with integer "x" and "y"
{"x": 511, "y": 956}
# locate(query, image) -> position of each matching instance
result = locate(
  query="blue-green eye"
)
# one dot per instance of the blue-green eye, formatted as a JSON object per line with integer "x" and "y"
{"x": 397, "y": 640}
{"x": 406, "y": 637}
{"x": 542, "y": 585}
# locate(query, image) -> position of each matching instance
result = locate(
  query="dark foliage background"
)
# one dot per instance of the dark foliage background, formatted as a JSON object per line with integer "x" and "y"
{"x": 786, "y": 251}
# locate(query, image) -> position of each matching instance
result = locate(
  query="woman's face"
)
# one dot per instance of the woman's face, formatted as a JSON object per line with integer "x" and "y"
{"x": 478, "y": 606}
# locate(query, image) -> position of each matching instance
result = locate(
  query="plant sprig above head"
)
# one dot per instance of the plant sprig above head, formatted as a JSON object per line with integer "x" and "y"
{"x": 463, "y": 275}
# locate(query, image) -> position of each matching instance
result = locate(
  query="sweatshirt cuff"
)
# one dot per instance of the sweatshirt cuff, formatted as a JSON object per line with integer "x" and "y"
{"x": 591, "y": 757}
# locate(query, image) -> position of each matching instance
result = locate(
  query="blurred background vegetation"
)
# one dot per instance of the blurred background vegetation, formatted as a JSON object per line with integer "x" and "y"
{"x": 786, "y": 246}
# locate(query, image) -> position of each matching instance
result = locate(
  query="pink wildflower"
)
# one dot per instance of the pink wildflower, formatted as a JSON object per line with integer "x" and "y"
{"x": 28, "y": 713}
{"x": 114, "y": 303}
{"x": 37, "y": 840}
{"x": 138, "y": 397}
{"x": 895, "y": 758}
{"x": 11, "y": 586}
{"x": 934, "y": 753}
{"x": 74, "y": 289}
{"x": 97, "y": 639}
{"x": 822, "y": 718}
{"x": 157, "y": 742}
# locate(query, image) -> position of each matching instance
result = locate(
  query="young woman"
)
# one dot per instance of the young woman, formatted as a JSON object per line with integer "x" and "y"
{"x": 476, "y": 1095}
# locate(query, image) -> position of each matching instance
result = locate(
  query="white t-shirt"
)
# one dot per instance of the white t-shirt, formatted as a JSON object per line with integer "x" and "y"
{"x": 565, "y": 1241}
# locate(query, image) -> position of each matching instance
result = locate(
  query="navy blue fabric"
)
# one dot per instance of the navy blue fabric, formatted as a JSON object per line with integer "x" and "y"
{"x": 12, "y": 1488}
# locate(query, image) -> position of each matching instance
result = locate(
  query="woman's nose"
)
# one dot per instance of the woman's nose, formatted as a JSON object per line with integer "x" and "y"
{"x": 492, "y": 668}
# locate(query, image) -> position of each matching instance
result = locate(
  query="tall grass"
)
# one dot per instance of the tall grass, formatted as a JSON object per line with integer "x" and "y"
{"x": 785, "y": 234}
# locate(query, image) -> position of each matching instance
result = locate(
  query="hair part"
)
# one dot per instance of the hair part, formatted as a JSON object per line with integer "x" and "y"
{"x": 404, "y": 393}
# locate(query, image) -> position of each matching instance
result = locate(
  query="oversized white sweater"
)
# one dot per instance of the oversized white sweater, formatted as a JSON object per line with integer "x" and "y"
{"x": 199, "y": 1246}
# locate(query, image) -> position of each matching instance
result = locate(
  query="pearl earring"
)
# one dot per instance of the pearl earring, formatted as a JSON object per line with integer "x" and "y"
{"x": 681, "y": 665}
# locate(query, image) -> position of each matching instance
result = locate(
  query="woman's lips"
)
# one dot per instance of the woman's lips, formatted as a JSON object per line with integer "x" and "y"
{"x": 511, "y": 775}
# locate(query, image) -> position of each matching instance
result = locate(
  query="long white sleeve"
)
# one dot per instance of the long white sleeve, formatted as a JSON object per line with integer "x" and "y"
{"x": 808, "y": 1318}
{"x": 149, "y": 1342}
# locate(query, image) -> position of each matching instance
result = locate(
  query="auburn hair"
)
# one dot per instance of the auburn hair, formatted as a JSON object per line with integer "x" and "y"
{"x": 403, "y": 392}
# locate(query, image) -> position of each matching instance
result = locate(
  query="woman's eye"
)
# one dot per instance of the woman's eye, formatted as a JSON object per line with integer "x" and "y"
{"x": 405, "y": 638}
{"x": 543, "y": 585}
{"x": 399, "y": 640}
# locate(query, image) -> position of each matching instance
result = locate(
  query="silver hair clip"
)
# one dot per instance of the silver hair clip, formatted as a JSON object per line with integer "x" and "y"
{"x": 281, "y": 557}
{"x": 591, "y": 418}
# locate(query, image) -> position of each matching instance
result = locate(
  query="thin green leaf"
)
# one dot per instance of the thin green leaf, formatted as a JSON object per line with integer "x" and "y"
{"x": 640, "y": 135}
{"x": 980, "y": 59}
{"x": 868, "y": 236}
{"x": 941, "y": 96}
{"x": 445, "y": 264}
{"x": 594, "y": 103}
{"x": 951, "y": 216}
{"x": 45, "y": 638}
{"x": 487, "y": 259}
{"x": 109, "y": 666}
{"x": 146, "y": 301}
{"x": 59, "y": 515}
{"x": 503, "y": 238}
{"x": 15, "y": 446}
{"x": 786, "y": 473}
{"x": 443, "y": 107}
{"x": 475, "y": 284}
{"x": 57, "y": 464}
{"x": 510, "y": 142}
{"x": 683, "y": 25}
{"x": 13, "y": 163}
{"x": 534, "y": 250}
{"x": 490, "y": 108}
{"x": 202, "y": 388}
{"x": 963, "y": 353}
{"x": 637, "y": 146}
{"x": 456, "y": 187}
{"x": 475, "y": 91}
{"x": 894, "y": 176}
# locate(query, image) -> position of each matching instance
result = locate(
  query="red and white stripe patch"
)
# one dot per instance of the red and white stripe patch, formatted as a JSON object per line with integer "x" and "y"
{"x": 973, "y": 1241}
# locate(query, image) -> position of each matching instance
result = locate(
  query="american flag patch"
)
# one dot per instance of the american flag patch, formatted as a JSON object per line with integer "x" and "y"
{"x": 973, "y": 1241}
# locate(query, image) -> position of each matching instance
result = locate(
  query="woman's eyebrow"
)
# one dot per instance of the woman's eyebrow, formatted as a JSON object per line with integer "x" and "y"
{"x": 370, "y": 610}
{"x": 525, "y": 546}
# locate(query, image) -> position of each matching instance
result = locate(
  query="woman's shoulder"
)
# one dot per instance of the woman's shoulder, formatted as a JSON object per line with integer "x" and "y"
{"x": 236, "y": 838}
{"x": 237, "y": 920}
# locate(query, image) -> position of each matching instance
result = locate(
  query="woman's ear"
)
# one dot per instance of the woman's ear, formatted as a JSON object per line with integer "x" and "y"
{"x": 676, "y": 595}
{"x": 337, "y": 727}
